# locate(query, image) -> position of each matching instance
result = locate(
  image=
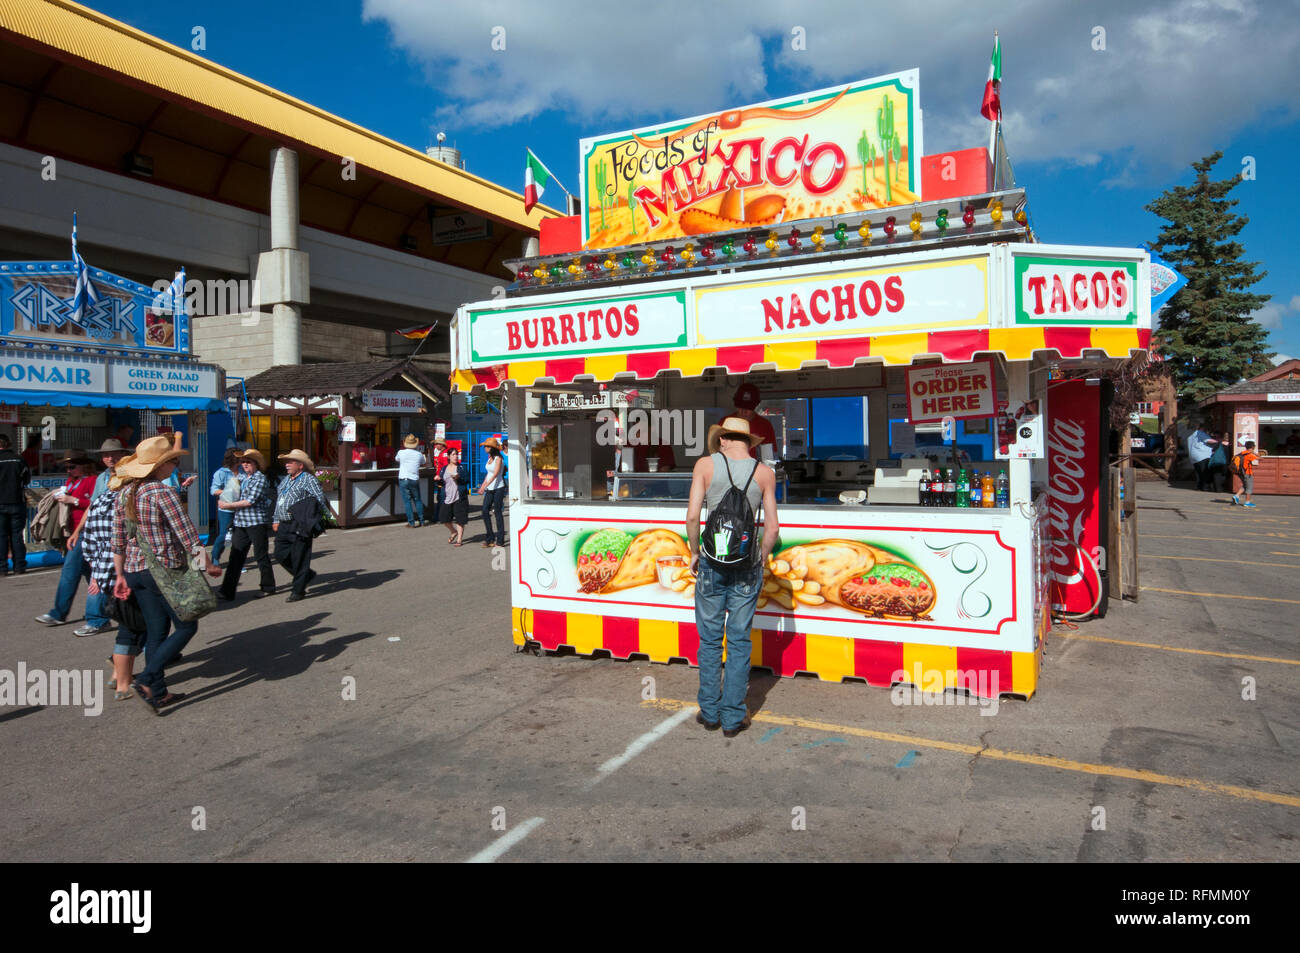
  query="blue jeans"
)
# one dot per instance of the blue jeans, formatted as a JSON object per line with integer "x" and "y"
{"x": 224, "y": 519}
{"x": 725, "y": 598}
{"x": 411, "y": 500}
{"x": 159, "y": 647}
{"x": 494, "y": 501}
{"x": 75, "y": 568}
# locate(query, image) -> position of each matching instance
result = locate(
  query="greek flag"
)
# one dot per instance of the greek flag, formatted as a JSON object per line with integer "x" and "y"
{"x": 85, "y": 292}
{"x": 177, "y": 292}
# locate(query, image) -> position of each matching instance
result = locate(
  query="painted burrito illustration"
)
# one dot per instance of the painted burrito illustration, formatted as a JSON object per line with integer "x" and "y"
{"x": 856, "y": 576}
{"x": 614, "y": 559}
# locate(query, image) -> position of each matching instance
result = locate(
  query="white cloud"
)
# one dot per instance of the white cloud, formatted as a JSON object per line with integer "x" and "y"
{"x": 1177, "y": 77}
{"x": 1279, "y": 359}
{"x": 1273, "y": 313}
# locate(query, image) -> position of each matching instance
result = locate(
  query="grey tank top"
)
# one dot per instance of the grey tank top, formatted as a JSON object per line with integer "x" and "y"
{"x": 739, "y": 474}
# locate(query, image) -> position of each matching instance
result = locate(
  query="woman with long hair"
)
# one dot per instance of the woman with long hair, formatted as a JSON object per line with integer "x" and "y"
{"x": 455, "y": 507}
{"x": 156, "y": 517}
{"x": 493, "y": 491}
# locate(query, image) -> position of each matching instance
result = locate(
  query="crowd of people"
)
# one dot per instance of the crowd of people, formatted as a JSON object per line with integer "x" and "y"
{"x": 452, "y": 482}
{"x": 134, "y": 543}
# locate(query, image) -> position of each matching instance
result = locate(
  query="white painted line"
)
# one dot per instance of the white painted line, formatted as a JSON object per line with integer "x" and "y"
{"x": 639, "y": 745}
{"x": 503, "y": 843}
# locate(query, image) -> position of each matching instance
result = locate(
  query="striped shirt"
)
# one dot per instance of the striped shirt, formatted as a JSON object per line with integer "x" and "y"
{"x": 257, "y": 491}
{"x": 296, "y": 490}
{"x": 163, "y": 523}
{"x": 97, "y": 539}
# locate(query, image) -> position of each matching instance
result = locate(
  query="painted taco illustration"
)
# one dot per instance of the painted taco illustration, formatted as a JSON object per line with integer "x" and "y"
{"x": 614, "y": 559}
{"x": 890, "y": 589}
{"x": 851, "y": 574}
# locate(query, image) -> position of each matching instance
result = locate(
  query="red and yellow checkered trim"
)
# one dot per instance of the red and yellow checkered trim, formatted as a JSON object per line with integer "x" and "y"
{"x": 1017, "y": 344}
{"x": 831, "y": 658}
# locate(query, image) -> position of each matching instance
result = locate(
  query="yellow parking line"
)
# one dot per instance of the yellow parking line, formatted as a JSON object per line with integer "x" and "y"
{"x": 1212, "y": 559}
{"x": 1219, "y": 595}
{"x": 1213, "y": 539}
{"x": 1020, "y": 757}
{"x": 1175, "y": 648}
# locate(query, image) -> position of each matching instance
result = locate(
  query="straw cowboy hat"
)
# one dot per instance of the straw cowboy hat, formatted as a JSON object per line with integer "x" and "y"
{"x": 119, "y": 479}
{"x": 411, "y": 441}
{"x": 254, "y": 455}
{"x": 491, "y": 442}
{"x": 301, "y": 458}
{"x": 439, "y": 442}
{"x": 149, "y": 455}
{"x": 111, "y": 445}
{"x": 733, "y": 427}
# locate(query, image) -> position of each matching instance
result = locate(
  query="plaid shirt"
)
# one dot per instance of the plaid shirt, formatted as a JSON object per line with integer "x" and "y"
{"x": 257, "y": 491}
{"x": 97, "y": 539}
{"x": 164, "y": 524}
{"x": 293, "y": 491}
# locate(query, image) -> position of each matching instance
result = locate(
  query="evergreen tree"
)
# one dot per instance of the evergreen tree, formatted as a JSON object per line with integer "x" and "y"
{"x": 1206, "y": 331}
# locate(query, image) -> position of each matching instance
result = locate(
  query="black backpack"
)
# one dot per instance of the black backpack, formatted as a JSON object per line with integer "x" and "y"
{"x": 730, "y": 533}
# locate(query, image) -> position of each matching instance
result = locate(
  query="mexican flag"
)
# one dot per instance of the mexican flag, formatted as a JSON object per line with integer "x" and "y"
{"x": 991, "y": 108}
{"x": 536, "y": 178}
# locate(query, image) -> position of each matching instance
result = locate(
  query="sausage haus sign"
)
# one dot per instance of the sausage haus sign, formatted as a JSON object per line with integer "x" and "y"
{"x": 829, "y": 152}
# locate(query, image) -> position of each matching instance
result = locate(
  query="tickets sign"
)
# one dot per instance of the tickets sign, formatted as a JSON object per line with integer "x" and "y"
{"x": 830, "y": 152}
{"x": 613, "y": 325}
{"x": 950, "y": 390}
{"x": 1075, "y": 291}
{"x": 855, "y": 303}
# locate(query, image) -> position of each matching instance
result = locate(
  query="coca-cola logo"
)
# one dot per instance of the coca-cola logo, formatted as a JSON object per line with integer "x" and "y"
{"x": 1067, "y": 449}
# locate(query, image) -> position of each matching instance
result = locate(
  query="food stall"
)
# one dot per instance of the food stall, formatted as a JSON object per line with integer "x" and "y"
{"x": 1265, "y": 409}
{"x": 877, "y": 575}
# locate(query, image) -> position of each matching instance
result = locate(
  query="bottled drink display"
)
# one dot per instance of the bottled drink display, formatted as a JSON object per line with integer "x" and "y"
{"x": 963, "y": 488}
{"x": 1003, "y": 490}
{"x": 950, "y": 488}
{"x": 976, "y": 490}
{"x": 988, "y": 490}
{"x": 923, "y": 488}
{"x": 936, "y": 488}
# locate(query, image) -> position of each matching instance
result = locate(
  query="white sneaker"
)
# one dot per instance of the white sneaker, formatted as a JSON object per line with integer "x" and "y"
{"x": 46, "y": 619}
{"x": 89, "y": 629}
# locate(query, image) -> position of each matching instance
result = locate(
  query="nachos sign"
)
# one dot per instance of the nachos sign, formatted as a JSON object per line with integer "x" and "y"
{"x": 838, "y": 150}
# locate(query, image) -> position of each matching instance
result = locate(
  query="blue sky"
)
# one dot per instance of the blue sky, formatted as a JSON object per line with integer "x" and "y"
{"x": 1106, "y": 103}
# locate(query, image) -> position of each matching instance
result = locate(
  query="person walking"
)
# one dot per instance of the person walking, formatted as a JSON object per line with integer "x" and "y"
{"x": 77, "y": 491}
{"x": 438, "y": 460}
{"x": 1200, "y": 447}
{"x": 1220, "y": 480}
{"x": 252, "y": 522}
{"x": 725, "y": 599}
{"x": 110, "y": 452}
{"x": 151, "y": 511}
{"x": 14, "y": 477}
{"x": 225, "y": 486}
{"x": 297, "y": 520}
{"x": 409, "y": 461}
{"x": 1244, "y": 469}
{"x": 454, "y": 511}
{"x": 493, "y": 491}
{"x": 97, "y": 546}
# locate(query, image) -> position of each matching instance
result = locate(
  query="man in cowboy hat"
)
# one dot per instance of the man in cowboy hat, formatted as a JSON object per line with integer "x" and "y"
{"x": 409, "y": 461}
{"x": 747, "y": 399}
{"x": 726, "y": 599}
{"x": 78, "y": 491}
{"x": 110, "y": 452}
{"x": 251, "y": 525}
{"x": 438, "y": 460}
{"x": 297, "y": 510}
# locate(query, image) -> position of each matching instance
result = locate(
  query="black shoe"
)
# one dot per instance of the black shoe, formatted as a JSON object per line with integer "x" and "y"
{"x": 223, "y": 597}
{"x": 294, "y": 597}
{"x": 311, "y": 576}
{"x": 709, "y": 725}
{"x": 732, "y": 732}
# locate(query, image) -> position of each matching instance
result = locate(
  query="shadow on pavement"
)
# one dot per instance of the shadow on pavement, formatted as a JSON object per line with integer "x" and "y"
{"x": 351, "y": 579}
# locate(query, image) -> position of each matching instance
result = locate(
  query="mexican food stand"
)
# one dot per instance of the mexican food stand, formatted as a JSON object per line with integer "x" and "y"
{"x": 952, "y": 322}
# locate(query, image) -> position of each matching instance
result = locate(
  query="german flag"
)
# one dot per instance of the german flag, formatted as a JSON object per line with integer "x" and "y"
{"x": 415, "y": 334}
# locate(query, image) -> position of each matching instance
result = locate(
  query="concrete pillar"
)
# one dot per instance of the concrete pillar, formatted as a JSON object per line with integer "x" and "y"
{"x": 284, "y": 198}
{"x": 286, "y": 334}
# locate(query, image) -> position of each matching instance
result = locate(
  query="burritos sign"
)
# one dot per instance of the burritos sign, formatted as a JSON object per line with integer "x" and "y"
{"x": 611, "y": 325}
{"x": 950, "y": 390}
{"x": 1075, "y": 291}
{"x": 829, "y": 152}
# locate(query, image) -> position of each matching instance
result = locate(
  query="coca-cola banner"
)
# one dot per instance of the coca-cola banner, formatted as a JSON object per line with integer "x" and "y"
{"x": 1076, "y": 502}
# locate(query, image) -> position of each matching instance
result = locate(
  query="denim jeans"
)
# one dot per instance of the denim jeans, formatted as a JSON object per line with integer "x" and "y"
{"x": 13, "y": 523}
{"x": 494, "y": 501}
{"x": 411, "y": 500}
{"x": 159, "y": 647}
{"x": 725, "y": 598}
{"x": 75, "y": 568}
{"x": 224, "y": 519}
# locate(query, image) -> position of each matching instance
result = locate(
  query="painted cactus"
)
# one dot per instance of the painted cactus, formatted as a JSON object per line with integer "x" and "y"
{"x": 631, "y": 204}
{"x": 602, "y": 180}
{"x": 867, "y": 156}
{"x": 888, "y": 140}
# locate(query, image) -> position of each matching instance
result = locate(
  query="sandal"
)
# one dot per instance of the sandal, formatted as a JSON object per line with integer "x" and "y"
{"x": 145, "y": 697}
{"x": 121, "y": 696}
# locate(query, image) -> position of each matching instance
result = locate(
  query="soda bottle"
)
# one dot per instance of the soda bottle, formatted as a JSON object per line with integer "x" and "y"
{"x": 989, "y": 490}
{"x": 936, "y": 488}
{"x": 976, "y": 490}
{"x": 923, "y": 488}
{"x": 963, "y": 488}
{"x": 950, "y": 488}
{"x": 1003, "y": 490}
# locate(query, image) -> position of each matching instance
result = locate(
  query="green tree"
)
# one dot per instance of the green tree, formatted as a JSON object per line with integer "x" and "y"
{"x": 1206, "y": 330}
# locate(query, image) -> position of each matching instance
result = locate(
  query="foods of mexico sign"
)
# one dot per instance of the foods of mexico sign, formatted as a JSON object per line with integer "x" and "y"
{"x": 830, "y": 152}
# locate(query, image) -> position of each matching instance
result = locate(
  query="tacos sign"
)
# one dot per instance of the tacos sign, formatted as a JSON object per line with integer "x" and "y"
{"x": 828, "y": 152}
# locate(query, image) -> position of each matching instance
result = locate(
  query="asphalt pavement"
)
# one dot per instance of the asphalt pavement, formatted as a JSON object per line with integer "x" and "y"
{"x": 1166, "y": 731}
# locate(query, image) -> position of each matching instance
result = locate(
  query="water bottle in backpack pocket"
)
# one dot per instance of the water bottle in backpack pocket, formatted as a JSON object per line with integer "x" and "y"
{"x": 730, "y": 533}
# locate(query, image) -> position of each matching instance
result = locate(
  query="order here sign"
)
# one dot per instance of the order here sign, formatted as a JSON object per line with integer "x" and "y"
{"x": 950, "y": 390}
